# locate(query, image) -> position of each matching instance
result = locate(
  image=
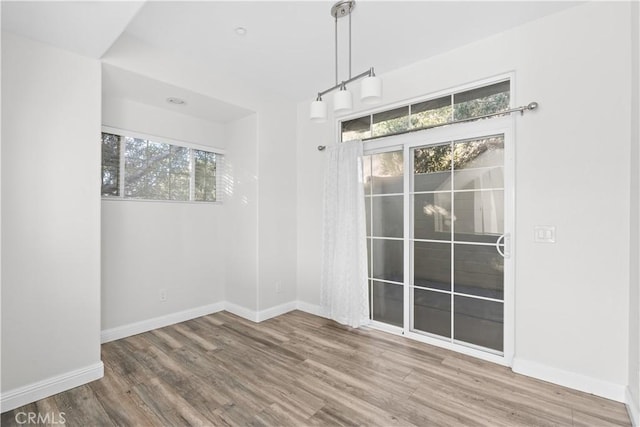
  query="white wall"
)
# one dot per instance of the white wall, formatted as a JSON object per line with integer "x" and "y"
{"x": 135, "y": 116}
{"x": 240, "y": 215}
{"x": 263, "y": 171}
{"x": 634, "y": 253}
{"x": 277, "y": 216}
{"x": 260, "y": 221}
{"x": 149, "y": 247}
{"x": 50, "y": 214}
{"x": 571, "y": 172}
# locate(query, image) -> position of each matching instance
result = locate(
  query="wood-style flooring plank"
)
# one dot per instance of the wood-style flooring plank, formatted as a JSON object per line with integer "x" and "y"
{"x": 303, "y": 370}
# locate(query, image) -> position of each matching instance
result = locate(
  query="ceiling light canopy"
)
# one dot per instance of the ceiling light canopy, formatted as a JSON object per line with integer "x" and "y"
{"x": 176, "y": 101}
{"x": 371, "y": 87}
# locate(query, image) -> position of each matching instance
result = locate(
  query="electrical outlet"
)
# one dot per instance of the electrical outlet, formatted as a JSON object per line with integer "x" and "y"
{"x": 278, "y": 287}
{"x": 544, "y": 234}
{"x": 163, "y": 295}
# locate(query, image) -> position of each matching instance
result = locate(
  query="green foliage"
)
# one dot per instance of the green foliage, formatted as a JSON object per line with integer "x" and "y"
{"x": 432, "y": 159}
{"x": 482, "y": 106}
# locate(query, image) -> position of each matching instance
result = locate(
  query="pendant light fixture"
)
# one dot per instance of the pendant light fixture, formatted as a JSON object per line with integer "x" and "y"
{"x": 371, "y": 86}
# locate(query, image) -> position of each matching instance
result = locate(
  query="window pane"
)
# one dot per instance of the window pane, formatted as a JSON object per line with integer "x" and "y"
{"x": 135, "y": 155}
{"x": 387, "y": 173}
{"x": 432, "y": 265}
{"x": 158, "y": 172}
{"x": 387, "y": 216}
{"x": 432, "y": 216}
{"x": 110, "y": 164}
{"x": 366, "y": 174}
{"x": 478, "y": 322}
{"x": 110, "y": 181}
{"x": 205, "y": 176}
{"x": 479, "y": 216}
{"x": 432, "y": 168}
{"x": 391, "y": 122}
{"x": 367, "y": 209}
{"x": 387, "y": 260}
{"x": 135, "y": 149}
{"x": 491, "y": 99}
{"x": 359, "y": 128}
{"x": 147, "y": 169}
{"x": 479, "y": 163}
{"x": 179, "y": 187}
{"x": 180, "y": 162}
{"x": 478, "y": 270}
{"x": 484, "y": 100}
{"x": 387, "y": 304}
{"x": 368, "y": 257}
{"x": 432, "y": 112}
{"x": 432, "y": 312}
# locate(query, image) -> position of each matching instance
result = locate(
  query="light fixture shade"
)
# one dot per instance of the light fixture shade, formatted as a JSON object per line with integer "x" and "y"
{"x": 371, "y": 90}
{"x": 318, "y": 112}
{"x": 342, "y": 101}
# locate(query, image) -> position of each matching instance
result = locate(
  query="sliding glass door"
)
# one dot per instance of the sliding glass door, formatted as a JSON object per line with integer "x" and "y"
{"x": 384, "y": 200}
{"x": 438, "y": 214}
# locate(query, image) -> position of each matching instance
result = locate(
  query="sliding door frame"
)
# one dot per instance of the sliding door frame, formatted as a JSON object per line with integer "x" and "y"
{"x": 406, "y": 142}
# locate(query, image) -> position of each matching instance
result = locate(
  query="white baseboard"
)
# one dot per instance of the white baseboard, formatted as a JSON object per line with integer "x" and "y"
{"x": 241, "y": 311}
{"x": 268, "y": 313}
{"x": 24, "y": 395}
{"x": 276, "y": 311}
{"x": 579, "y": 382}
{"x": 308, "y": 308}
{"x": 124, "y": 331}
{"x": 182, "y": 316}
{"x": 158, "y": 322}
{"x": 633, "y": 408}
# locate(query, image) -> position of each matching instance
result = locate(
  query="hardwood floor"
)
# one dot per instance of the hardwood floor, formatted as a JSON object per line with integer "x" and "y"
{"x": 302, "y": 370}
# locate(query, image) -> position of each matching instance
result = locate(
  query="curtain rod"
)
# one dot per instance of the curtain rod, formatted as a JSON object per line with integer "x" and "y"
{"x": 530, "y": 106}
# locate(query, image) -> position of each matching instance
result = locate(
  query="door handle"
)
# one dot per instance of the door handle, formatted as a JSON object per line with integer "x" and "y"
{"x": 506, "y": 238}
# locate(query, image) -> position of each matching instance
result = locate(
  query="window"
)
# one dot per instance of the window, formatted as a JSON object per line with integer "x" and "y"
{"x": 464, "y": 105}
{"x": 136, "y": 168}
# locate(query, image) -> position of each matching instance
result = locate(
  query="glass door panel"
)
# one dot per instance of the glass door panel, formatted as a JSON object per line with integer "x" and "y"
{"x": 479, "y": 322}
{"x": 479, "y": 215}
{"x": 432, "y": 216}
{"x": 384, "y": 203}
{"x": 432, "y": 265}
{"x": 432, "y": 312}
{"x": 387, "y": 303}
{"x": 387, "y": 216}
{"x": 457, "y": 207}
{"x": 478, "y": 270}
{"x": 387, "y": 260}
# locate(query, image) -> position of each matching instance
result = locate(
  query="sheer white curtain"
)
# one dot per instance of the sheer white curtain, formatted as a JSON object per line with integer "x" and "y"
{"x": 344, "y": 292}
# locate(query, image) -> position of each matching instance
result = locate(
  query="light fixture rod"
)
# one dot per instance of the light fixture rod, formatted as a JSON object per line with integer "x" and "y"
{"x": 349, "y": 44}
{"x": 336, "y": 46}
{"x": 367, "y": 73}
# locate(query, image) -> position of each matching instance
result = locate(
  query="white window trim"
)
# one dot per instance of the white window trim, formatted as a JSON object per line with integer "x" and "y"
{"x": 186, "y": 144}
{"x": 426, "y": 97}
{"x": 155, "y": 138}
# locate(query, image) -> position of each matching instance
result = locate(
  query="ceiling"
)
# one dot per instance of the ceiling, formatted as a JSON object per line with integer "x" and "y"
{"x": 289, "y": 46}
{"x": 288, "y": 49}
{"x": 119, "y": 83}
{"x": 87, "y": 28}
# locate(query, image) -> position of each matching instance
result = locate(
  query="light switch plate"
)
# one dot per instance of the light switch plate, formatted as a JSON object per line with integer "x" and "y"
{"x": 544, "y": 234}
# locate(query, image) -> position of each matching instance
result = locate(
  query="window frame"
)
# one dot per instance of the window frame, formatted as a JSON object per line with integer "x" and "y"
{"x": 405, "y": 141}
{"x": 219, "y": 152}
{"x": 507, "y": 76}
